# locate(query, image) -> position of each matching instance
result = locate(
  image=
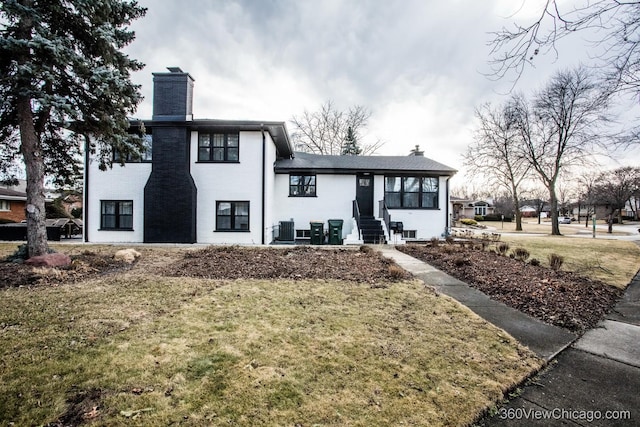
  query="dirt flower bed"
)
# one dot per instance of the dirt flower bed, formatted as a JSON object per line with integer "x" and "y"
{"x": 297, "y": 262}
{"x": 561, "y": 298}
{"x": 83, "y": 266}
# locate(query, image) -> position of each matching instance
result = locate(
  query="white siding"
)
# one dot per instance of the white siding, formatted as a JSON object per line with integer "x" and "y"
{"x": 119, "y": 183}
{"x": 229, "y": 182}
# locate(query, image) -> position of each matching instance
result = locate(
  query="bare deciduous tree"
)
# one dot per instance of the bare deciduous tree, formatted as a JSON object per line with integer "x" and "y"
{"x": 325, "y": 131}
{"x": 616, "y": 188}
{"x": 497, "y": 153}
{"x": 562, "y": 128}
{"x": 614, "y": 27}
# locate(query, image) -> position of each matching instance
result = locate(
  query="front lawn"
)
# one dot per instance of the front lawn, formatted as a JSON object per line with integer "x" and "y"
{"x": 145, "y": 346}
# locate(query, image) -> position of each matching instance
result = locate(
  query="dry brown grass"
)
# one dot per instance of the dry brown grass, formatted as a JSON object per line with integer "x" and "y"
{"x": 141, "y": 349}
{"x": 612, "y": 261}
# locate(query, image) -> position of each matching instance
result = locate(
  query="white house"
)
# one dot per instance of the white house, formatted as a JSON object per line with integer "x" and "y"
{"x": 240, "y": 182}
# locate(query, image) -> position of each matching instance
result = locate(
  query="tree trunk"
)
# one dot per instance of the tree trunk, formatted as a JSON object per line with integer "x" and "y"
{"x": 32, "y": 155}
{"x": 553, "y": 202}
{"x": 516, "y": 203}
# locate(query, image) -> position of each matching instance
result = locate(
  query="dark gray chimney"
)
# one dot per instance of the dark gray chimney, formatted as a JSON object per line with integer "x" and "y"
{"x": 172, "y": 95}
{"x": 416, "y": 152}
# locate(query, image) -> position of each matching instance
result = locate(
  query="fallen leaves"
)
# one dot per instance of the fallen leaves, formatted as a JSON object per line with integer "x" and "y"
{"x": 561, "y": 298}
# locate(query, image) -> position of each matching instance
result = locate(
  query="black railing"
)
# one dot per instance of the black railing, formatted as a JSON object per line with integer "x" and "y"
{"x": 384, "y": 214}
{"x": 356, "y": 215}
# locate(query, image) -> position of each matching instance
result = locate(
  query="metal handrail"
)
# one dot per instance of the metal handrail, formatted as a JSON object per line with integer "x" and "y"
{"x": 356, "y": 215}
{"x": 385, "y": 215}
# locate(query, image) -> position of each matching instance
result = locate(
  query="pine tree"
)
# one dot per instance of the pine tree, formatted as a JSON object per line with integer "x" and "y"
{"x": 63, "y": 83}
{"x": 350, "y": 146}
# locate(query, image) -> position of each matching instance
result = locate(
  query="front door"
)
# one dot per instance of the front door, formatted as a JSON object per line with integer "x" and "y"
{"x": 364, "y": 193}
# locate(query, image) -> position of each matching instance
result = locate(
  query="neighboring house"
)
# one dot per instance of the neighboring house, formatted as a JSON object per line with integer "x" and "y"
{"x": 239, "y": 182}
{"x": 12, "y": 205}
{"x": 465, "y": 208}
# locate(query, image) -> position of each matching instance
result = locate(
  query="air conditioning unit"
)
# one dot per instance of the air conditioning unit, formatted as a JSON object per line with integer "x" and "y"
{"x": 287, "y": 231}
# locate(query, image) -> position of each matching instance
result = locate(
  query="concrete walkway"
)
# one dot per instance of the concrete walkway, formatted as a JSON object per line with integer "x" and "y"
{"x": 591, "y": 381}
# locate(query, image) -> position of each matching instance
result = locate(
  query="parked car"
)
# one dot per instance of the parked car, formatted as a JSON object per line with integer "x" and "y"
{"x": 564, "y": 220}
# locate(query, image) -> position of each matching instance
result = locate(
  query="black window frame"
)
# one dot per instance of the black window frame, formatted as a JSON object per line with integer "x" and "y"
{"x": 226, "y": 149}
{"x": 145, "y": 157}
{"x": 233, "y": 216}
{"x": 406, "y": 194}
{"x": 117, "y": 215}
{"x": 297, "y": 190}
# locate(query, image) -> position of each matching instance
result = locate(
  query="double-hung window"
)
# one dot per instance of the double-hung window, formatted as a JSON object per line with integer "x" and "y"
{"x": 219, "y": 147}
{"x": 411, "y": 192}
{"x": 232, "y": 216}
{"x": 116, "y": 215}
{"x": 5, "y": 205}
{"x": 302, "y": 185}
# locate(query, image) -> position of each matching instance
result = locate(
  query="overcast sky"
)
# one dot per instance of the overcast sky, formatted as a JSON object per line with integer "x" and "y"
{"x": 418, "y": 65}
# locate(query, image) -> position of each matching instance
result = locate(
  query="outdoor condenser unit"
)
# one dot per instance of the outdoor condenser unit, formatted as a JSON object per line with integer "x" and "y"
{"x": 287, "y": 231}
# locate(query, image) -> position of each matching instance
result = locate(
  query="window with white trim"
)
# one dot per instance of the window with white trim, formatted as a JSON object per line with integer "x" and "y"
{"x": 5, "y": 205}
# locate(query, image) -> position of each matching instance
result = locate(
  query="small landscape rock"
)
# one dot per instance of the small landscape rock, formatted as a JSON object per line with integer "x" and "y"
{"x": 49, "y": 260}
{"x": 127, "y": 255}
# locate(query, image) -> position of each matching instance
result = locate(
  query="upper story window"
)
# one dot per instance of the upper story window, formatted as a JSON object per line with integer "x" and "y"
{"x": 411, "y": 192}
{"x": 144, "y": 156}
{"x": 116, "y": 214}
{"x": 302, "y": 185}
{"x": 218, "y": 147}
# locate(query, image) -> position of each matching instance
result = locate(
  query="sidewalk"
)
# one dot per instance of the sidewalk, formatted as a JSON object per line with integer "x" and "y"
{"x": 591, "y": 381}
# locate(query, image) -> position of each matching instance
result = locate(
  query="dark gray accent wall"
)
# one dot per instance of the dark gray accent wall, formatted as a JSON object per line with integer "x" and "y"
{"x": 170, "y": 196}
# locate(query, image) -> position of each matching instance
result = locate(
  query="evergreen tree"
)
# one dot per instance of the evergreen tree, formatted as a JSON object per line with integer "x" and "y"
{"x": 350, "y": 146}
{"x": 63, "y": 83}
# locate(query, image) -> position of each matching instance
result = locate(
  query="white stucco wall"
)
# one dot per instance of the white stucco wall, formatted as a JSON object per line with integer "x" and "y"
{"x": 119, "y": 183}
{"x": 334, "y": 197}
{"x": 229, "y": 182}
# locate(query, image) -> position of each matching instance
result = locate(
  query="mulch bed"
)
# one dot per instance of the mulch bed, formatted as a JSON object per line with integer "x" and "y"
{"x": 560, "y": 298}
{"x": 296, "y": 262}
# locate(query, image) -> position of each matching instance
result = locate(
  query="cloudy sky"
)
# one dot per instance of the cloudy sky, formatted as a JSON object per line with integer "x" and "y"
{"x": 418, "y": 65}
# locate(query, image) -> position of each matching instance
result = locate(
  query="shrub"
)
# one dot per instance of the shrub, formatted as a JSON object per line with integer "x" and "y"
{"x": 521, "y": 254}
{"x": 535, "y": 262}
{"x": 450, "y": 240}
{"x": 478, "y": 218}
{"x": 502, "y": 248}
{"x": 366, "y": 249}
{"x": 435, "y": 242}
{"x": 459, "y": 262}
{"x": 396, "y": 272}
{"x": 469, "y": 221}
{"x": 555, "y": 261}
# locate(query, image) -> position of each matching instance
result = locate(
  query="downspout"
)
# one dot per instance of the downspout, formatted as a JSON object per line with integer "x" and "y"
{"x": 447, "y": 222}
{"x": 85, "y": 194}
{"x": 264, "y": 184}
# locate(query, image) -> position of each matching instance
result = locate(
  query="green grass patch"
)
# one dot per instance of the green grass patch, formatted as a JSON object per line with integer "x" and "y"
{"x": 615, "y": 262}
{"x": 141, "y": 349}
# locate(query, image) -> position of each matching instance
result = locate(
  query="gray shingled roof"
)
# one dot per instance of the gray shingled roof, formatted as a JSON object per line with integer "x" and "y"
{"x": 349, "y": 164}
{"x": 7, "y": 194}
